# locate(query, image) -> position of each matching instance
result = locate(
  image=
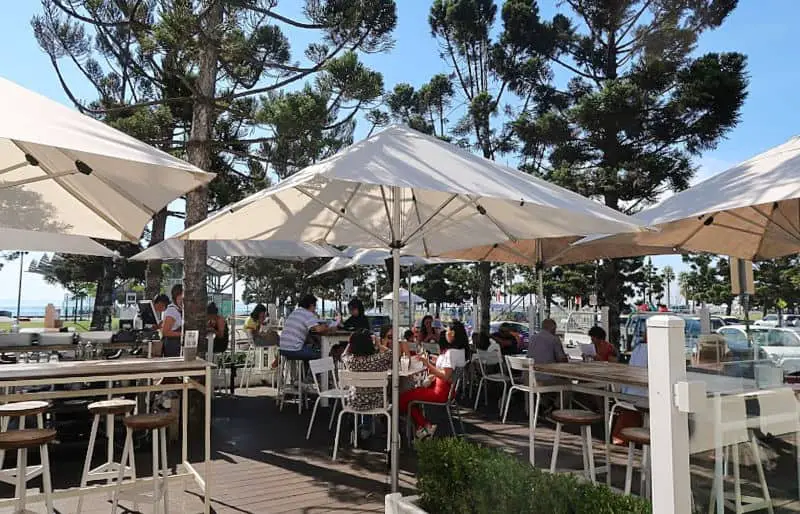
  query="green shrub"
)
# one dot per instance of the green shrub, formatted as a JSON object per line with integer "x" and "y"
{"x": 459, "y": 477}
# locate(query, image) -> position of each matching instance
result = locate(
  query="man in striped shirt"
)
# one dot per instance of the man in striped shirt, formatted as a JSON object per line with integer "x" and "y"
{"x": 296, "y": 328}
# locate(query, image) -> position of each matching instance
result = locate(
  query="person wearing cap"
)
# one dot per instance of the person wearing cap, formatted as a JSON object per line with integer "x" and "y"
{"x": 357, "y": 319}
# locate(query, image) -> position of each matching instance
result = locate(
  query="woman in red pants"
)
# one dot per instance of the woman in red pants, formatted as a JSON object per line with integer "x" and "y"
{"x": 442, "y": 374}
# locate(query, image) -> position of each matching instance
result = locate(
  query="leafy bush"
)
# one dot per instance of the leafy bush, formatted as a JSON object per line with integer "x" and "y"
{"x": 459, "y": 477}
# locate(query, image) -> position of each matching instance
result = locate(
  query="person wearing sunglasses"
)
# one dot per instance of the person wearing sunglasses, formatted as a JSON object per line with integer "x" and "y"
{"x": 386, "y": 338}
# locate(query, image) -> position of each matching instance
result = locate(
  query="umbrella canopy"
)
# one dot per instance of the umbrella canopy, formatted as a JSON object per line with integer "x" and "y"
{"x": 33, "y": 241}
{"x": 403, "y": 298}
{"x": 403, "y": 190}
{"x": 374, "y": 257}
{"x": 283, "y": 250}
{"x": 751, "y": 211}
{"x": 61, "y": 171}
{"x": 463, "y": 199}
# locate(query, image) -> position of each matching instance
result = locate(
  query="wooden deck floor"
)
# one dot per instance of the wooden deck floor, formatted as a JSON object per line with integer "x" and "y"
{"x": 263, "y": 463}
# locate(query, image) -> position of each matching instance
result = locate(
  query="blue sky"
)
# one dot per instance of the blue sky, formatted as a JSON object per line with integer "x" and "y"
{"x": 765, "y": 35}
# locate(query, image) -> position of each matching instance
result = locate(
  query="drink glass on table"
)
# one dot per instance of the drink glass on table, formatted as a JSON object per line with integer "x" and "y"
{"x": 405, "y": 361}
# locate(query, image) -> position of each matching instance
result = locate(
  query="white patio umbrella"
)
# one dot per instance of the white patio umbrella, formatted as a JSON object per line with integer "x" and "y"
{"x": 351, "y": 257}
{"x": 61, "y": 171}
{"x": 403, "y": 190}
{"x": 282, "y": 250}
{"x": 404, "y": 296}
{"x": 34, "y": 241}
{"x": 750, "y": 211}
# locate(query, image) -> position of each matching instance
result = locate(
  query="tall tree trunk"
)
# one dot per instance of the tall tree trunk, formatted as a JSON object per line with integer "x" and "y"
{"x": 103, "y": 297}
{"x": 153, "y": 274}
{"x": 484, "y": 297}
{"x": 200, "y": 154}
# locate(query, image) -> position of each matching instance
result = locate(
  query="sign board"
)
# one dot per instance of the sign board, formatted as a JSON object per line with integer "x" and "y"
{"x": 348, "y": 287}
{"x": 742, "y": 276}
{"x": 593, "y": 300}
{"x": 190, "y": 338}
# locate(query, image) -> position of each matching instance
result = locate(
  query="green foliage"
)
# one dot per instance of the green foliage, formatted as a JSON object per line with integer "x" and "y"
{"x": 637, "y": 106}
{"x": 457, "y": 476}
{"x": 778, "y": 279}
{"x": 708, "y": 279}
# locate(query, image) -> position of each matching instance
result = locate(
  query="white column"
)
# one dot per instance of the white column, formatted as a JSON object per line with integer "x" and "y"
{"x": 669, "y": 429}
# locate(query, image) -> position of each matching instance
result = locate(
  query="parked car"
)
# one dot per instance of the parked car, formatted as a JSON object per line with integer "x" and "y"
{"x": 376, "y": 321}
{"x": 637, "y": 325}
{"x": 783, "y": 348}
{"x": 522, "y": 328}
{"x": 731, "y": 320}
{"x": 771, "y": 320}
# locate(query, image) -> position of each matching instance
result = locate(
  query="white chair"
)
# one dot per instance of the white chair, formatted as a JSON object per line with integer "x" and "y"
{"x": 486, "y": 359}
{"x": 325, "y": 367}
{"x": 450, "y": 405}
{"x": 779, "y": 415}
{"x": 519, "y": 365}
{"x": 720, "y": 425}
{"x": 367, "y": 380}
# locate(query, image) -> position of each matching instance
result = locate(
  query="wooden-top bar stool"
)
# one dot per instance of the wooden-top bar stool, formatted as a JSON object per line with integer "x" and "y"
{"x": 21, "y": 411}
{"x": 157, "y": 424}
{"x": 22, "y": 441}
{"x": 110, "y": 468}
{"x": 584, "y": 419}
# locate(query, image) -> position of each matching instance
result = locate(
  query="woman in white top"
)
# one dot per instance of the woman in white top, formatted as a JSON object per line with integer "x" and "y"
{"x": 442, "y": 373}
{"x": 171, "y": 327}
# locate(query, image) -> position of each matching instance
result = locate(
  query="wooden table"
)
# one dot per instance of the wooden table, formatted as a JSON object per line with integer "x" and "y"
{"x": 614, "y": 373}
{"x": 19, "y": 376}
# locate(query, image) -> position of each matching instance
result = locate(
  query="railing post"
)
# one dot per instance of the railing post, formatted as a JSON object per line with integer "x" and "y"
{"x": 669, "y": 429}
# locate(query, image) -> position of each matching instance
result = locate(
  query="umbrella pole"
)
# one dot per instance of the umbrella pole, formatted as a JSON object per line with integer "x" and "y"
{"x": 19, "y": 290}
{"x": 232, "y": 325}
{"x": 410, "y": 311}
{"x": 395, "y": 451}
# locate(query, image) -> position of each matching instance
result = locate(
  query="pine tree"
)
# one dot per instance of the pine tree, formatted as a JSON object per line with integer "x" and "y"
{"x": 638, "y": 104}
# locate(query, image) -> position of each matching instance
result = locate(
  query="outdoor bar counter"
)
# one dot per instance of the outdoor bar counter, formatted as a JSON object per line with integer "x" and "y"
{"x": 146, "y": 374}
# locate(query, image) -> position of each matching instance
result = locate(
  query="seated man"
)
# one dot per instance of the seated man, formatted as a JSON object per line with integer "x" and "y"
{"x": 507, "y": 339}
{"x": 296, "y": 329}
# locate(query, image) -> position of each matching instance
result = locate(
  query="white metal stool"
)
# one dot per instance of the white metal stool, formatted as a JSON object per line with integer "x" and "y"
{"x": 110, "y": 468}
{"x": 22, "y": 441}
{"x": 20, "y": 410}
{"x": 584, "y": 419}
{"x": 157, "y": 424}
{"x": 285, "y": 387}
{"x": 634, "y": 436}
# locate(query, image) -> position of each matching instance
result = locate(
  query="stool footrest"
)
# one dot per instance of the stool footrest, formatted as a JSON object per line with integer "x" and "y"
{"x": 9, "y": 476}
{"x": 141, "y": 495}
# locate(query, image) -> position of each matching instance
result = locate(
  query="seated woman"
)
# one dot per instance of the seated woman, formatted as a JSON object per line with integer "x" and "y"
{"x": 254, "y": 323}
{"x": 439, "y": 389}
{"x": 386, "y": 338}
{"x": 357, "y": 319}
{"x": 427, "y": 332}
{"x": 603, "y": 350}
{"x": 362, "y": 355}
